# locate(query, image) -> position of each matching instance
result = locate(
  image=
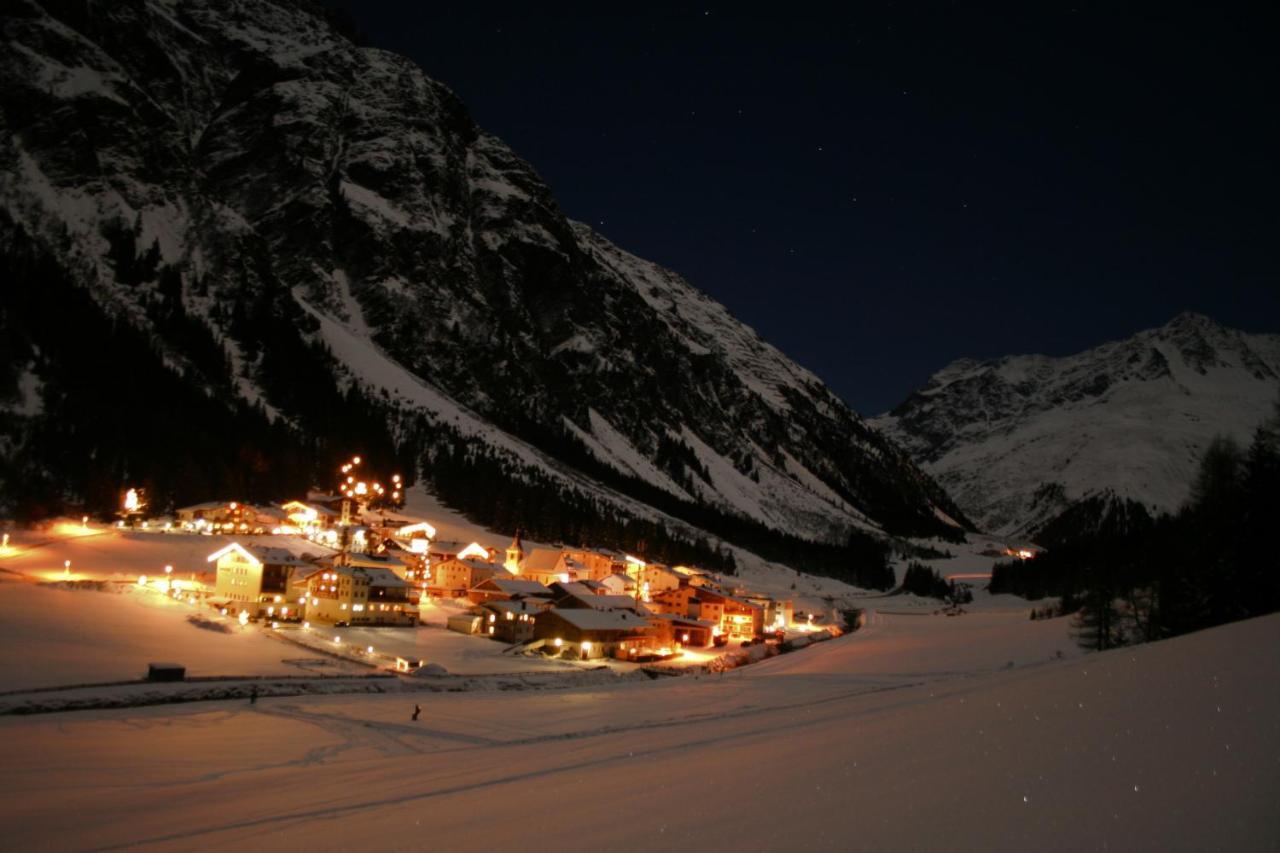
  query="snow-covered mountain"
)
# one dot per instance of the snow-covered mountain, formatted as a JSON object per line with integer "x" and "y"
{"x": 1018, "y": 440}
{"x": 247, "y": 169}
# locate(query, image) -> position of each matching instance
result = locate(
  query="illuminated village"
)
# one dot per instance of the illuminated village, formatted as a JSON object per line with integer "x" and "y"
{"x": 303, "y": 568}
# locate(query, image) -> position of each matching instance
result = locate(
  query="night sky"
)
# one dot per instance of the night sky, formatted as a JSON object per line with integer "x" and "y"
{"x": 883, "y": 190}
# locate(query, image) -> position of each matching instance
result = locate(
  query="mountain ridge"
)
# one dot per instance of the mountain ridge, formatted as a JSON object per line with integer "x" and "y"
{"x": 245, "y": 185}
{"x": 1017, "y": 440}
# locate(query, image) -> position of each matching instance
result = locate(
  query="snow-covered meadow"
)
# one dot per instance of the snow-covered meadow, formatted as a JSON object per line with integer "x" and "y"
{"x": 858, "y": 743}
{"x": 924, "y": 731}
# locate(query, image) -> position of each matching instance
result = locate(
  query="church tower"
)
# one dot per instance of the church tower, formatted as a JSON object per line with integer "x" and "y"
{"x": 515, "y": 555}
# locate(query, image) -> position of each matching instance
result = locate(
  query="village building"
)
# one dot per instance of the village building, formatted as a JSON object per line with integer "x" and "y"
{"x": 708, "y": 610}
{"x": 733, "y": 617}
{"x": 778, "y": 613}
{"x": 386, "y": 560}
{"x": 417, "y": 537}
{"x": 224, "y": 516}
{"x": 328, "y": 501}
{"x": 440, "y": 551}
{"x": 255, "y": 579}
{"x": 267, "y": 519}
{"x": 465, "y": 623}
{"x": 511, "y": 621}
{"x": 619, "y": 584}
{"x": 507, "y": 589}
{"x": 453, "y": 578}
{"x": 546, "y": 566}
{"x": 654, "y": 578}
{"x": 590, "y": 633}
{"x": 308, "y": 518}
{"x": 343, "y": 594}
{"x": 596, "y": 565}
{"x": 695, "y": 577}
{"x": 738, "y": 618}
{"x": 679, "y": 601}
{"x": 211, "y": 511}
{"x": 672, "y": 631}
{"x": 577, "y": 594}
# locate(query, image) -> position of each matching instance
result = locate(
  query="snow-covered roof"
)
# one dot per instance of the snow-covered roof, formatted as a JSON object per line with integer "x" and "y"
{"x": 383, "y": 578}
{"x": 573, "y": 588}
{"x": 418, "y": 527}
{"x": 615, "y": 602}
{"x": 514, "y": 586}
{"x": 203, "y": 506}
{"x": 601, "y": 620}
{"x": 480, "y": 565}
{"x": 376, "y": 576}
{"x": 540, "y": 560}
{"x": 302, "y": 505}
{"x": 710, "y": 595}
{"x": 261, "y": 554}
{"x": 374, "y": 561}
{"x": 520, "y": 605}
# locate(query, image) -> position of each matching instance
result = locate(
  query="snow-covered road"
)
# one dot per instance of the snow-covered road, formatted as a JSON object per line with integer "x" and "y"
{"x": 924, "y": 732}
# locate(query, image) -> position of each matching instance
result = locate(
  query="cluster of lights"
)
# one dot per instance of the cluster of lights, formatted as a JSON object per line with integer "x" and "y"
{"x": 364, "y": 490}
{"x": 133, "y": 501}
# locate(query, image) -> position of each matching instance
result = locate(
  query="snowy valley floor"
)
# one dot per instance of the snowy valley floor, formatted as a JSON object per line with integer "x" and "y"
{"x": 920, "y": 732}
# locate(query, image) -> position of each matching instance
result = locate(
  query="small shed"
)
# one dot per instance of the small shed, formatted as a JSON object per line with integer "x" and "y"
{"x": 465, "y": 623}
{"x": 166, "y": 672}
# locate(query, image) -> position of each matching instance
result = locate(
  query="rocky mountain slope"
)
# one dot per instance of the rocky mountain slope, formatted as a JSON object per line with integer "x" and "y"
{"x": 1020, "y": 440}
{"x": 280, "y": 212}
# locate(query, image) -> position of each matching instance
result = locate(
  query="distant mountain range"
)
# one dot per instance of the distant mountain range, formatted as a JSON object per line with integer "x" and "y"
{"x": 306, "y": 245}
{"x": 1018, "y": 441}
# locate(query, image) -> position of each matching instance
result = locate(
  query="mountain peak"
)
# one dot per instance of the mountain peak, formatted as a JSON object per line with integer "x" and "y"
{"x": 1129, "y": 416}
{"x": 1191, "y": 319}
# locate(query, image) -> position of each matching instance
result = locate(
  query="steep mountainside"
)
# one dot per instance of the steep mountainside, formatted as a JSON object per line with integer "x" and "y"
{"x": 1020, "y": 440}
{"x": 277, "y": 212}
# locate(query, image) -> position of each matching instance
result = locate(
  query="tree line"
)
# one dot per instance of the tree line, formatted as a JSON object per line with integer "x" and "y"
{"x": 1130, "y": 577}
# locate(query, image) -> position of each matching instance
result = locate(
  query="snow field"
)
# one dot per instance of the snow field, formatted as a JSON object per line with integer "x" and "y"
{"x": 1169, "y": 746}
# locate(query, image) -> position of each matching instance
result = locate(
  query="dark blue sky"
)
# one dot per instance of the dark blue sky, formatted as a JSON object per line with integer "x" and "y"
{"x": 882, "y": 190}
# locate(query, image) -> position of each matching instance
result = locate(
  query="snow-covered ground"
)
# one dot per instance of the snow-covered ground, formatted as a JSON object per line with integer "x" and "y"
{"x": 51, "y": 637}
{"x": 859, "y": 743}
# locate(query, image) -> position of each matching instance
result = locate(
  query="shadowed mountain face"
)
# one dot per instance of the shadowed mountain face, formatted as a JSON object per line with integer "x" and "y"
{"x": 1021, "y": 440}
{"x": 284, "y": 193}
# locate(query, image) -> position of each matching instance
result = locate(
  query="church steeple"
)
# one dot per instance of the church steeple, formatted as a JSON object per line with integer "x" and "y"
{"x": 515, "y": 555}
